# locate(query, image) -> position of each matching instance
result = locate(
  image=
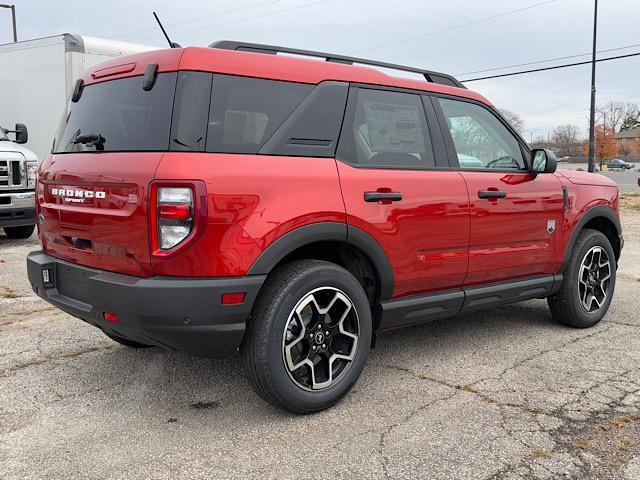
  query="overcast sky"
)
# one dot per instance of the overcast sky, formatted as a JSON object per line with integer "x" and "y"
{"x": 453, "y": 36}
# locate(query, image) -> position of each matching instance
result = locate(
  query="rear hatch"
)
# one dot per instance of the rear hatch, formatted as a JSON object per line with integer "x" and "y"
{"x": 95, "y": 209}
{"x": 93, "y": 189}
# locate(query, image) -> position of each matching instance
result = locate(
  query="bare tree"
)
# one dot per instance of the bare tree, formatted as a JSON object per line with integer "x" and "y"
{"x": 565, "y": 140}
{"x": 514, "y": 119}
{"x": 613, "y": 114}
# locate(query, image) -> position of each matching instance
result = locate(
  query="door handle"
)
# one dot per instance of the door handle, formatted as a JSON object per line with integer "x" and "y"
{"x": 380, "y": 196}
{"x": 491, "y": 194}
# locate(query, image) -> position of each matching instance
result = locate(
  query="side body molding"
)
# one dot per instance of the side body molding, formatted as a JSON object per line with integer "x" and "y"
{"x": 323, "y": 232}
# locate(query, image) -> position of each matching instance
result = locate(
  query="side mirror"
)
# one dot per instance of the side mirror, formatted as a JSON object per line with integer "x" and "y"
{"x": 544, "y": 161}
{"x": 22, "y": 135}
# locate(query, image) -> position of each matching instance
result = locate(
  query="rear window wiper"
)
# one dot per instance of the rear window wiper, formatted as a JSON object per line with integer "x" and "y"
{"x": 90, "y": 139}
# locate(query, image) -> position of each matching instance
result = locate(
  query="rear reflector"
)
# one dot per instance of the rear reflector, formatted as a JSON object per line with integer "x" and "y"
{"x": 232, "y": 298}
{"x": 111, "y": 317}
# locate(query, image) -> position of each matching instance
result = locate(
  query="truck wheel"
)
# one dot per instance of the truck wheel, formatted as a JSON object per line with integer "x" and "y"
{"x": 308, "y": 336}
{"x": 19, "y": 232}
{"x": 588, "y": 283}
{"x": 125, "y": 342}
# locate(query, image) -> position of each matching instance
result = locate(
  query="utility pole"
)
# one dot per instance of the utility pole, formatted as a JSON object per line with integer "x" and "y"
{"x": 531, "y": 130}
{"x": 592, "y": 118}
{"x": 13, "y": 19}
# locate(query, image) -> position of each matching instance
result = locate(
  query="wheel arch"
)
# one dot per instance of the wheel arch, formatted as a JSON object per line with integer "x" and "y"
{"x": 344, "y": 244}
{"x": 603, "y": 219}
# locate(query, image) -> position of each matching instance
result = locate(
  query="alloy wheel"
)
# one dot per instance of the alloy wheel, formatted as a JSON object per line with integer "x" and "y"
{"x": 320, "y": 338}
{"x": 594, "y": 278}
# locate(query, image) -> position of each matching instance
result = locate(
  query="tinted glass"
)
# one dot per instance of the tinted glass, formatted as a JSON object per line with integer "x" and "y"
{"x": 126, "y": 116}
{"x": 191, "y": 111}
{"x": 245, "y": 112}
{"x": 481, "y": 140}
{"x": 3, "y": 135}
{"x": 389, "y": 130}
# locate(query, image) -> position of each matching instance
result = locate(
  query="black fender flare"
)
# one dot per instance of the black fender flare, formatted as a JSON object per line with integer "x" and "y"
{"x": 322, "y": 232}
{"x": 594, "y": 212}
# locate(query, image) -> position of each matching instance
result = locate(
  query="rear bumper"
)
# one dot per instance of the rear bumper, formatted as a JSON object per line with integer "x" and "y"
{"x": 17, "y": 209}
{"x": 184, "y": 314}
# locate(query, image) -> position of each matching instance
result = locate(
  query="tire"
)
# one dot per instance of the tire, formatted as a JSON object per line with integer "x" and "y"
{"x": 567, "y": 304}
{"x": 276, "y": 340}
{"x": 19, "y": 232}
{"x": 125, "y": 342}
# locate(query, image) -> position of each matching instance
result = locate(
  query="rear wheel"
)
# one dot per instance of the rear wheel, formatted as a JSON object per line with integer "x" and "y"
{"x": 588, "y": 283}
{"x": 19, "y": 232}
{"x": 125, "y": 342}
{"x": 308, "y": 336}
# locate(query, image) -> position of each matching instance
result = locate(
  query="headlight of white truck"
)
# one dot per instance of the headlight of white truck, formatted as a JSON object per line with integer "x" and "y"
{"x": 32, "y": 173}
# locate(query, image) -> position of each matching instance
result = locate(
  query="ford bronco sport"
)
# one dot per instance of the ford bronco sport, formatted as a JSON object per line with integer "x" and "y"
{"x": 214, "y": 199}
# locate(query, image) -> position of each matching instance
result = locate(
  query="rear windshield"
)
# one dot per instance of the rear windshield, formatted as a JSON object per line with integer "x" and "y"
{"x": 127, "y": 117}
{"x": 184, "y": 111}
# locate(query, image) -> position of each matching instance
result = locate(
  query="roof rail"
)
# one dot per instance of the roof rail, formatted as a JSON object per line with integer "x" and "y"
{"x": 430, "y": 76}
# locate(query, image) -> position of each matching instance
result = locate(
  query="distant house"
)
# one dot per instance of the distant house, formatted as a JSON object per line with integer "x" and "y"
{"x": 628, "y": 142}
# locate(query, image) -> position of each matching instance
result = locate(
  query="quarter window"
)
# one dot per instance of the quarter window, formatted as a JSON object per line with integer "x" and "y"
{"x": 389, "y": 130}
{"x": 480, "y": 139}
{"x": 191, "y": 111}
{"x": 245, "y": 112}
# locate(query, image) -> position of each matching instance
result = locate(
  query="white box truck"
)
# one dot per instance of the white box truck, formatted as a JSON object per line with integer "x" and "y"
{"x": 36, "y": 78}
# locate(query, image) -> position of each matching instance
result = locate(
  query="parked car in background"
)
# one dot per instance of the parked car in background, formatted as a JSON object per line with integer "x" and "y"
{"x": 18, "y": 169}
{"x": 618, "y": 163}
{"x": 214, "y": 199}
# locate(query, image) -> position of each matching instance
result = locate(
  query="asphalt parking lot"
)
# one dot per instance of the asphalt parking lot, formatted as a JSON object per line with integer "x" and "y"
{"x": 501, "y": 394}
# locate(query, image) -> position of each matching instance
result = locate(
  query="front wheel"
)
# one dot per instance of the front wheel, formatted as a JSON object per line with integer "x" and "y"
{"x": 308, "y": 336}
{"x": 19, "y": 233}
{"x": 588, "y": 283}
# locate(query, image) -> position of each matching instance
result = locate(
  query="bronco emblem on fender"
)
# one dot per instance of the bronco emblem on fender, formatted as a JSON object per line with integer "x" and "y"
{"x": 551, "y": 226}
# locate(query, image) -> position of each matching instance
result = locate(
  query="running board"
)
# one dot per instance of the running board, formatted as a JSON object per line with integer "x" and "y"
{"x": 434, "y": 306}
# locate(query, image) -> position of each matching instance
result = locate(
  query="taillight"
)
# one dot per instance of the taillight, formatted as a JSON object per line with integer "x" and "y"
{"x": 178, "y": 215}
{"x": 175, "y": 215}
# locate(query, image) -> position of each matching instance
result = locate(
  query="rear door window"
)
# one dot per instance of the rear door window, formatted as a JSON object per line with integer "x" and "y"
{"x": 245, "y": 112}
{"x": 126, "y": 116}
{"x": 389, "y": 129}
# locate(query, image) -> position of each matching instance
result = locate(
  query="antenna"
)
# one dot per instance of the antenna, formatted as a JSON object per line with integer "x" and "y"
{"x": 164, "y": 32}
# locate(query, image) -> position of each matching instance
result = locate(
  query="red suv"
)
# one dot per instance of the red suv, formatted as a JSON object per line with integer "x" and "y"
{"x": 214, "y": 199}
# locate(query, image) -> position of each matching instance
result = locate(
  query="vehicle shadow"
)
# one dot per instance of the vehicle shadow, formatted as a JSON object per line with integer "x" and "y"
{"x": 172, "y": 384}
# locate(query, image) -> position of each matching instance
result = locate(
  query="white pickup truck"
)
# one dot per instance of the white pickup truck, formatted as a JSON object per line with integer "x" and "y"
{"x": 18, "y": 167}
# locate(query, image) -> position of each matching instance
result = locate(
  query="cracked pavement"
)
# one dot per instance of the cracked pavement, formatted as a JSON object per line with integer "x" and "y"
{"x": 501, "y": 394}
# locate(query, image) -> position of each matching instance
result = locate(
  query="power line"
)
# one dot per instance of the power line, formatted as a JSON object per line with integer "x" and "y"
{"x": 306, "y": 5}
{"x": 199, "y": 18}
{"x": 555, "y": 67}
{"x": 268, "y": 14}
{"x": 473, "y": 22}
{"x": 547, "y": 61}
